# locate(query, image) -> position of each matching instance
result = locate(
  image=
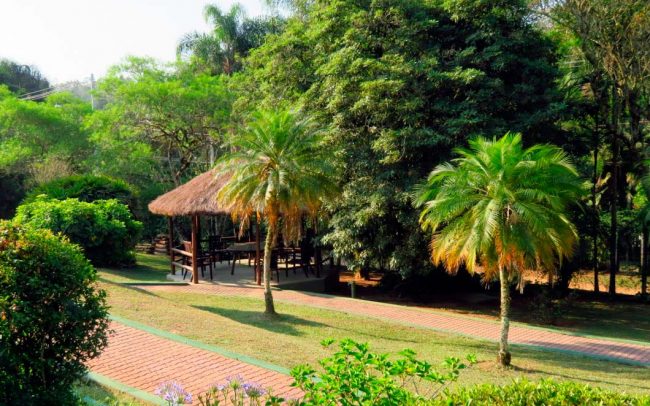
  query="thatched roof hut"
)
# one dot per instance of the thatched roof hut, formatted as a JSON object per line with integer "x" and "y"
{"x": 194, "y": 198}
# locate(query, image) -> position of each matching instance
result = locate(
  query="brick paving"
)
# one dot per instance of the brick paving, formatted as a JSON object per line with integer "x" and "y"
{"x": 473, "y": 327}
{"x": 143, "y": 360}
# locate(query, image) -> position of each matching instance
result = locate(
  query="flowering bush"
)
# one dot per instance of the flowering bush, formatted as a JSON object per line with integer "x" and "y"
{"x": 237, "y": 391}
{"x": 173, "y": 393}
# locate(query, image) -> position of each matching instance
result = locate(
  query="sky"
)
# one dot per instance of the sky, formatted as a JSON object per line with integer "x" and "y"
{"x": 70, "y": 39}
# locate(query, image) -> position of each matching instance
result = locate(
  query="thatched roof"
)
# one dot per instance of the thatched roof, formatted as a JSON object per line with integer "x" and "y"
{"x": 196, "y": 197}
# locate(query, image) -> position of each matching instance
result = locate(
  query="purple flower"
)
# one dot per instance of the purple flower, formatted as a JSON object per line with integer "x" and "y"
{"x": 173, "y": 393}
{"x": 253, "y": 390}
{"x": 235, "y": 381}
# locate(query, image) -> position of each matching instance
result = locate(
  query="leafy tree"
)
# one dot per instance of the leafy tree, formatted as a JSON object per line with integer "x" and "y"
{"x": 279, "y": 170}
{"x": 53, "y": 319}
{"x": 39, "y": 141}
{"x": 157, "y": 114}
{"x": 32, "y": 132}
{"x": 233, "y": 36}
{"x": 503, "y": 207}
{"x": 612, "y": 39}
{"x": 21, "y": 79}
{"x": 399, "y": 85}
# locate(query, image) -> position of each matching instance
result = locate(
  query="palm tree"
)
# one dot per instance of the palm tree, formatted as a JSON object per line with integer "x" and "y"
{"x": 216, "y": 48}
{"x": 501, "y": 206}
{"x": 278, "y": 170}
{"x": 233, "y": 36}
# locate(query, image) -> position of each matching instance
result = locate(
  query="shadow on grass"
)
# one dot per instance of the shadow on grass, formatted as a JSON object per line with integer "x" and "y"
{"x": 122, "y": 285}
{"x": 579, "y": 363}
{"x": 149, "y": 268}
{"x": 282, "y": 323}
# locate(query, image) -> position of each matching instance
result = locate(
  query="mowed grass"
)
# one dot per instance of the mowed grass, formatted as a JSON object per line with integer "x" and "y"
{"x": 293, "y": 338}
{"x": 92, "y": 394}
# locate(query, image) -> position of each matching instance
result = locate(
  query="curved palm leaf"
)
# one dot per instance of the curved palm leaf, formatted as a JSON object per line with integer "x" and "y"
{"x": 278, "y": 170}
{"x": 501, "y": 206}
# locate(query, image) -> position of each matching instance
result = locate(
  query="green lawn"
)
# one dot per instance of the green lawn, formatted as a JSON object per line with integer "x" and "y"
{"x": 92, "y": 394}
{"x": 237, "y": 324}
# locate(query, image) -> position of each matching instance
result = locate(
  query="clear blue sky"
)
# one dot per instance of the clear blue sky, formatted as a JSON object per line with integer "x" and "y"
{"x": 70, "y": 39}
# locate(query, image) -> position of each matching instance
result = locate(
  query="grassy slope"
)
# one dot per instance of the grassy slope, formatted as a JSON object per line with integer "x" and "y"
{"x": 104, "y": 396}
{"x": 237, "y": 324}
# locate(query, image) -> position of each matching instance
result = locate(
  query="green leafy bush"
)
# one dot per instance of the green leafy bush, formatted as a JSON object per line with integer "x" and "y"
{"x": 544, "y": 392}
{"x": 52, "y": 318}
{"x": 104, "y": 228}
{"x": 86, "y": 188}
{"x": 356, "y": 376}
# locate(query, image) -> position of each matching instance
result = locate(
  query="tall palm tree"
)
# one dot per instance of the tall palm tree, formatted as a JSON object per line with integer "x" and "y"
{"x": 501, "y": 206}
{"x": 232, "y": 37}
{"x": 217, "y": 48}
{"x": 278, "y": 170}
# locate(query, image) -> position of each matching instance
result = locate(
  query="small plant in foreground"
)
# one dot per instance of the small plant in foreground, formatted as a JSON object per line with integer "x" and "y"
{"x": 356, "y": 376}
{"x": 173, "y": 393}
{"x": 237, "y": 392}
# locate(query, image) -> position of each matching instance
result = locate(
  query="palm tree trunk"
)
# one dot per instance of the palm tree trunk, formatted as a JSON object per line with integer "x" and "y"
{"x": 504, "y": 355}
{"x": 613, "y": 242}
{"x": 644, "y": 263}
{"x": 268, "y": 252}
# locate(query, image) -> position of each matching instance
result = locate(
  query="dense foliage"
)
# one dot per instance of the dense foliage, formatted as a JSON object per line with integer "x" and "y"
{"x": 21, "y": 79}
{"x": 544, "y": 392}
{"x": 86, "y": 188}
{"x": 52, "y": 317}
{"x": 394, "y": 86}
{"x": 400, "y": 85}
{"x": 354, "y": 375}
{"x": 105, "y": 229}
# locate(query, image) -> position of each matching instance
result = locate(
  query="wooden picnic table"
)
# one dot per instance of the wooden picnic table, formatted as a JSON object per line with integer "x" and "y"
{"x": 239, "y": 248}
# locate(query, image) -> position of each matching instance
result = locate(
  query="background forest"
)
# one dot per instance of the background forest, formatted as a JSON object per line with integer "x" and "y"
{"x": 393, "y": 86}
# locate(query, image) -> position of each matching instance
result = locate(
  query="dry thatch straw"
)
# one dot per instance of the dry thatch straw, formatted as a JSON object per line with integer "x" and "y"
{"x": 196, "y": 197}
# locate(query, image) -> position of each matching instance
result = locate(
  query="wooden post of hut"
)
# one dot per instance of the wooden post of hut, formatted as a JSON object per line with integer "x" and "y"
{"x": 170, "y": 246}
{"x": 194, "y": 199}
{"x": 195, "y": 248}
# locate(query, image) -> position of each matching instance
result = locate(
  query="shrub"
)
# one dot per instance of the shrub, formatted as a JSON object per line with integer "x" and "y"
{"x": 52, "y": 318}
{"x": 86, "y": 188}
{"x": 104, "y": 228}
{"x": 356, "y": 376}
{"x": 544, "y": 392}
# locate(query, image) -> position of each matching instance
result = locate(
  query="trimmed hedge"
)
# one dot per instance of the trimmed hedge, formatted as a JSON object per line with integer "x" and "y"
{"x": 52, "y": 317}
{"x": 105, "y": 229}
{"x": 543, "y": 393}
{"x": 86, "y": 188}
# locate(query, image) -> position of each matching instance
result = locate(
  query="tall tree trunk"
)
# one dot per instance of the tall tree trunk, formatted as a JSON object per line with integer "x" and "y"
{"x": 613, "y": 238}
{"x": 644, "y": 262}
{"x": 268, "y": 252}
{"x": 504, "y": 355}
{"x": 596, "y": 219}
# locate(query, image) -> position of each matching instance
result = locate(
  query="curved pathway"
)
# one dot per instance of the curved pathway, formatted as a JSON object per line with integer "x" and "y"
{"x": 621, "y": 351}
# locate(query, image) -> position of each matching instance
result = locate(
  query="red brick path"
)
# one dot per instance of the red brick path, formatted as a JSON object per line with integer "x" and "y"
{"x": 484, "y": 329}
{"x": 143, "y": 360}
